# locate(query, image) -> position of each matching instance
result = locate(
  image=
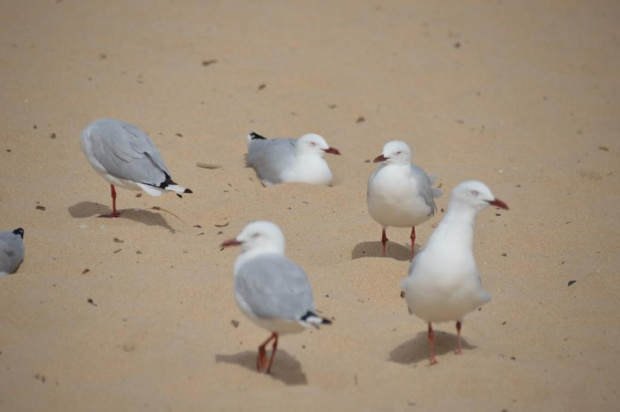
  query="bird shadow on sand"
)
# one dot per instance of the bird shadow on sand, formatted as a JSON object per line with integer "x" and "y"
{"x": 418, "y": 350}
{"x": 375, "y": 249}
{"x": 89, "y": 209}
{"x": 285, "y": 368}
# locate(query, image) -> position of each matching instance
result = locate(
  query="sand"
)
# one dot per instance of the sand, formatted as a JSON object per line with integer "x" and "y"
{"x": 136, "y": 313}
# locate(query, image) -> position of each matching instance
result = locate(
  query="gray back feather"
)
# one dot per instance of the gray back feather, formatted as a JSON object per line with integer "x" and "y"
{"x": 275, "y": 287}
{"x": 426, "y": 188}
{"x": 127, "y": 152}
{"x": 11, "y": 251}
{"x": 269, "y": 157}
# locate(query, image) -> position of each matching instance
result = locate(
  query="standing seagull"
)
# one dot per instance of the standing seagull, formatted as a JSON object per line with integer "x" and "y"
{"x": 399, "y": 193}
{"x": 11, "y": 251}
{"x": 271, "y": 290}
{"x": 290, "y": 160}
{"x": 126, "y": 157}
{"x": 443, "y": 283}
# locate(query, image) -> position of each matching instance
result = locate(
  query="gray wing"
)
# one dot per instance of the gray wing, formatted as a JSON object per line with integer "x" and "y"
{"x": 269, "y": 157}
{"x": 425, "y": 187}
{"x": 11, "y": 252}
{"x": 127, "y": 152}
{"x": 275, "y": 287}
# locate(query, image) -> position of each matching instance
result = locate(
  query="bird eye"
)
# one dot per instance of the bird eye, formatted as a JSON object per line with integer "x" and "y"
{"x": 255, "y": 235}
{"x": 312, "y": 144}
{"x": 397, "y": 153}
{"x": 475, "y": 193}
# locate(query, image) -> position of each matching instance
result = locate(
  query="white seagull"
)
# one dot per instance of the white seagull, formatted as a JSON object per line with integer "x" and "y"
{"x": 400, "y": 194}
{"x": 126, "y": 157}
{"x": 443, "y": 283}
{"x": 11, "y": 251}
{"x": 290, "y": 160}
{"x": 271, "y": 290}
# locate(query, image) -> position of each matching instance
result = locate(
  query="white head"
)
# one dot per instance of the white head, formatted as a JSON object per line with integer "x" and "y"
{"x": 475, "y": 195}
{"x": 261, "y": 237}
{"x": 395, "y": 152}
{"x": 314, "y": 144}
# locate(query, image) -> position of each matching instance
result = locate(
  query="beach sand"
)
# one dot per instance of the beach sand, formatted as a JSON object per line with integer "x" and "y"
{"x": 137, "y": 313}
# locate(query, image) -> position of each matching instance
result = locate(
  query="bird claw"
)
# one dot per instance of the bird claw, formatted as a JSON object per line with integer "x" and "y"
{"x": 110, "y": 216}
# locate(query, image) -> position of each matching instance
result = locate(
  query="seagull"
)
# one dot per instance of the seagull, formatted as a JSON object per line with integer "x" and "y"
{"x": 11, "y": 251}
{"x": 443, "y": 282}
{"x": 126, "y": 157}
{"x": 290, "y": 160}
{"x": 399, "y": 193}
{"x": 270, "y": 289}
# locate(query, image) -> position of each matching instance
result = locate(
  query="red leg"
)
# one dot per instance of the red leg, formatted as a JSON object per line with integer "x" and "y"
{"x": 384, "y": 240}
{"x": 261, "y": 360}
{"x": 412, "y": 241}
{"x": 458, "y": 338}
{"x": 114, "y": 213}
{"x": 431, "y": 340}
{"x": 274, "y": 348}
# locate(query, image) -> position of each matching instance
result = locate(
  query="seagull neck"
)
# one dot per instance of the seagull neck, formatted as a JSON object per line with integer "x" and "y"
{"x": 309, "y": 154}
{"x": 264, "y": 250}
{"x": 401, "y": 165}
{"x": 459, "y": 222}
{"x": 248, "y": 255}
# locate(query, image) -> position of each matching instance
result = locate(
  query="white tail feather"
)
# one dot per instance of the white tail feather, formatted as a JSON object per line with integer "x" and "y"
{"x": 315, "y": 320}
{"x": 176, "y": 188}
{"x": 151, "y": 190}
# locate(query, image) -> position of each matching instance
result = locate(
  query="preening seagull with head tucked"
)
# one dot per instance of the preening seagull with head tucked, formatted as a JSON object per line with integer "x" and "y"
{"x": 443, "y": 282}
{"x": 11, "y": 250}
{"x": 290, "y": 160}
{"x": 126, "y": 157}
{"x": 270, "y": 289}
{"x": 399, "y": 193}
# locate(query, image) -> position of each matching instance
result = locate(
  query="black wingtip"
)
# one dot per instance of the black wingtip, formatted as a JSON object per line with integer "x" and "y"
{"x": 188, "y": 191}
{"x": 19, "y": 231}
{"x": 255, "y": 136}
{"x": 311, "y": 315}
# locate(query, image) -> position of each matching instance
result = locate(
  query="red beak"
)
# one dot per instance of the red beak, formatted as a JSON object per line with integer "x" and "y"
{"x": 380, "y": 158}
{"x": 231, "y": 242}
{"x": 499, "y": 203}
{"x": 332, "y": 151}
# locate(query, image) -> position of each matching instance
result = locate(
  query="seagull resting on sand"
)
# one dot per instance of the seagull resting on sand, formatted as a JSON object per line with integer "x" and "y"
{"x": 11, "y": 251}
{"x": 290, "y": 160}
